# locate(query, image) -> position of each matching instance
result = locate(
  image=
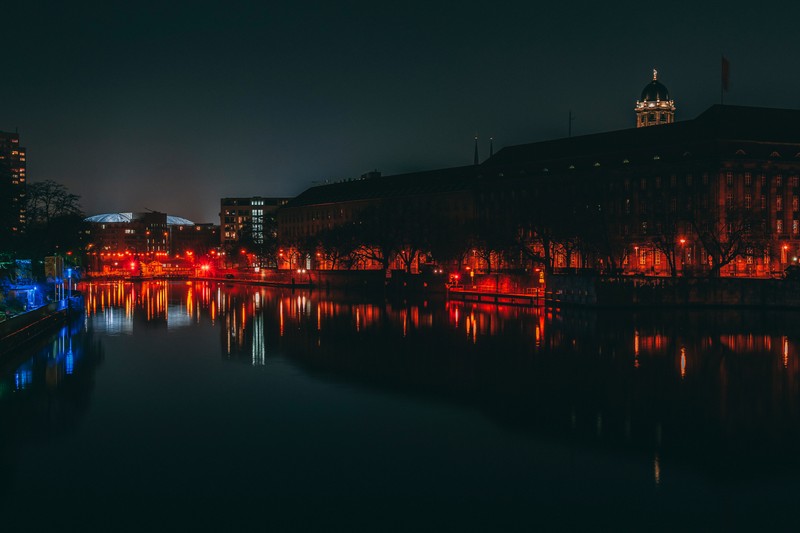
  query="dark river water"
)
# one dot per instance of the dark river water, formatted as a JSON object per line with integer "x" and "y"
{"x": 201, "y": 406}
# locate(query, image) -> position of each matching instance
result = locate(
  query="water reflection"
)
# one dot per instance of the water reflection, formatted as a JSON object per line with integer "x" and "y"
{"x": 45, "y": 390}
{"x": 696, "y": 376}
{"x": 718, "y": 390}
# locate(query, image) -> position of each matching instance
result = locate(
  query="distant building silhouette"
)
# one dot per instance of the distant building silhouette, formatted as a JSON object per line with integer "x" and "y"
{"x": 12, "y": 188}
{"x": 719, "y": 194}
{"x": 358, "y": 223}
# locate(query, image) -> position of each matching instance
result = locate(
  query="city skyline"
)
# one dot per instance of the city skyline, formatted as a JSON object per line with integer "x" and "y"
{"x": 172, "y": 108}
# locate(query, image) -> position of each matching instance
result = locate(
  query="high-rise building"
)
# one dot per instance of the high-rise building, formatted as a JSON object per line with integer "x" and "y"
{"x": 12, "y": 188}
{"x": 655, "y": 106}
{"x": 249, "y": 220}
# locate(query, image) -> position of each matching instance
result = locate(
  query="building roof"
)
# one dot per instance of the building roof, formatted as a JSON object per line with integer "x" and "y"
{"x": 718, "y": 124}
{"x": 110, "y": 218}
{"x": 755, "y": 129}
{"x": 417, "y": 183}
{"x": 654, "y": 91}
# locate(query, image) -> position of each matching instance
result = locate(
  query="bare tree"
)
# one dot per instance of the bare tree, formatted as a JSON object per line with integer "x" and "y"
{"x": 55, "y": 220}
{"x": 729, "y": 236}
{"x": 48, "y": 200}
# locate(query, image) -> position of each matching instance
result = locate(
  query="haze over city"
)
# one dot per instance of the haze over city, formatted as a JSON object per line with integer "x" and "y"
{"x": 170, "y": 107}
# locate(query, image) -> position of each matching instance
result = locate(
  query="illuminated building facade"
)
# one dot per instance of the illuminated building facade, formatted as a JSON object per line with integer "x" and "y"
{"x": 131, "y": 232}
{"x": 12, "y": 188}
{"x": 248, "y": 219}
{"x": 407, "y": 212}
{"x": 655, "y": 106}
{"x": 115, "y": 238}
{"x": 717, "y": 193}
{"x": 196, "y": 238}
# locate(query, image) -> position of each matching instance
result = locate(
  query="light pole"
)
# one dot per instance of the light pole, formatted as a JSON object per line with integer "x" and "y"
{"x": 69, "y": 277}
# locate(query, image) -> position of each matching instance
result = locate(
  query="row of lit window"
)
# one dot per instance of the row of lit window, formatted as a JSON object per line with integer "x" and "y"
{"x": 794, "y": 181}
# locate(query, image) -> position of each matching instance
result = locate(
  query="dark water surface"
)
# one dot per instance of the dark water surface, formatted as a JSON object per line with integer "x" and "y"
{"x": 197, "y": 406}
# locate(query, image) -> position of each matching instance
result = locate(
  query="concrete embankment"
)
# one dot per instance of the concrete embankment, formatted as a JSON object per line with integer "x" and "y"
{"x": 318, "y": 279}
{"x": 630, "y": 291}
{"x": 22, "y": 328}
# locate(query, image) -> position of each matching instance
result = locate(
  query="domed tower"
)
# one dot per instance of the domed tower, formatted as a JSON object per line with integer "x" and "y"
{"x": 655, "y": 106}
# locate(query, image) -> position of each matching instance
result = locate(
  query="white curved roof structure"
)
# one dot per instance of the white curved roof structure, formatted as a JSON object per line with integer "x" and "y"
{"x": 178, "y": 221}
{"x": 109, "y": 218}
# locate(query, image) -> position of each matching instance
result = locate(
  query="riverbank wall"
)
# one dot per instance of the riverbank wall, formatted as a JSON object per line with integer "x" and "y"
{"x": 632, "y": 291}
{"x": 19, "y": 329}
{"x": 365, "y": 280}
{"x": 318, "y": 279}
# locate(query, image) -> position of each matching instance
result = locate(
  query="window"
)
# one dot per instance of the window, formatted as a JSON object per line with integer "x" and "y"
{"x": 779, "y": 226}
{"x": 729, "y": 179}
{"x": 794, "y": 181}
{"x": 643, "y": 207}
{"x": 673, "y": 180}
{"x": 779, "y": 203}
{"x": 657, "y": 258}
{"x": 643, "y": 258}
{"x": 673, "y": 205}
{"x": 658, "y": 182}
{"x": 748, "y": 200}
{"x": 729, "y": 199}
{"x": 689, "y": 179}
{"x": 705, "y": 178}
{"x": 763, "y": 201}
{"x": 779, "y": 181}
{"x": 748, "y": 179}
{"x": 763, "y": 179}
{"x": 795, "y": 227}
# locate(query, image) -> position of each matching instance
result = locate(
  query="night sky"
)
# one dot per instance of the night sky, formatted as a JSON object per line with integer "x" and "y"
{"x": 139, "y": 105}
